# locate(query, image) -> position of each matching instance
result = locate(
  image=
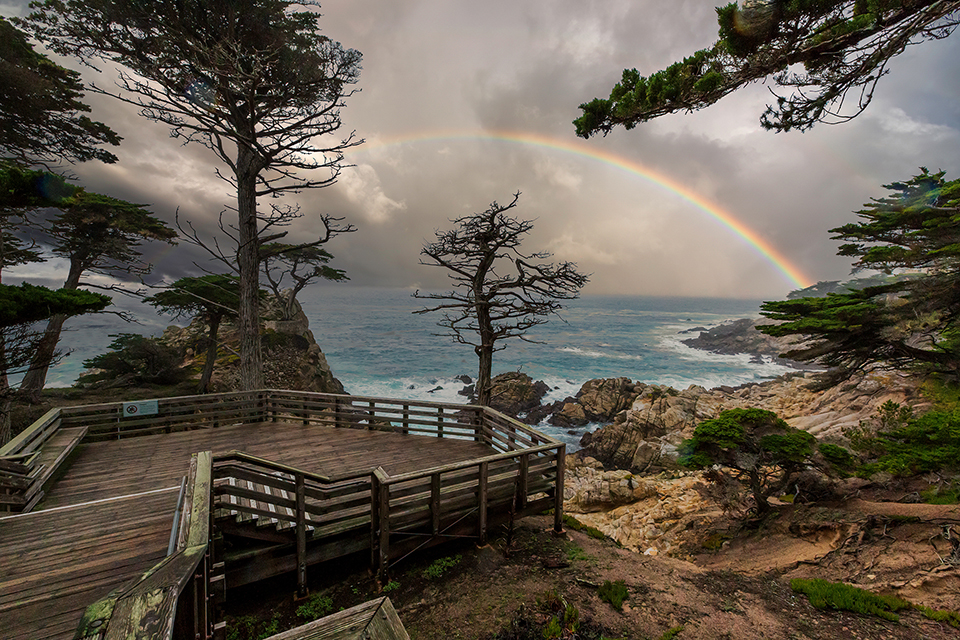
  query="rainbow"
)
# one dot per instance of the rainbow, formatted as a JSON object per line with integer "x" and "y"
{"x": 764, "y": 248}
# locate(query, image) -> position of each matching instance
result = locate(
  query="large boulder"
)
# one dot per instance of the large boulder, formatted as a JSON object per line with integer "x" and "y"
{"x": 516, "y": 393}
{"x": 597, "y": 401}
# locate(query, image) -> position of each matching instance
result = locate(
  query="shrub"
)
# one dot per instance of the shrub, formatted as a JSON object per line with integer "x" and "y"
{"x": 135, "y": 359}
{"x": 316, "y": 606}
{"x": 440, "y": 566}
{"x": 613, "y": 592}
{"x": 843, "y": 597}
{"x": 837, "y": 456}
{"x": 930, "y": 442}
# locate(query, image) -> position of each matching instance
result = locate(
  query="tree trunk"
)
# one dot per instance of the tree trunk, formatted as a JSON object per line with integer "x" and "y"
{"x": 248, "y": 263}
{"x": 5, "y": 398}
{"x": 485, "y": 354}
{"x": 204, "y": 385}
{"x": 36, "y": 377}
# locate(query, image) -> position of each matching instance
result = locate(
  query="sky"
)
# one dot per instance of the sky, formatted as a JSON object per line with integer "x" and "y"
{"x": 465, "y": 103}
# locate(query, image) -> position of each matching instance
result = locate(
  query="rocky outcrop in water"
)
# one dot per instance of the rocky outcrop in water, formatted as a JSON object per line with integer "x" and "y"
{"x": 516, "y": 393}
{"x": 742, "y": 336}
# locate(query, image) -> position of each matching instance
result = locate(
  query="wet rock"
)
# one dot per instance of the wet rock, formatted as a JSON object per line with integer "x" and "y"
{"x": 515, "y": 393}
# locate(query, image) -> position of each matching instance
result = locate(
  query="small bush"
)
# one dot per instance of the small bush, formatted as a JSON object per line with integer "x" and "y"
{"x": 440, "y": 566}
{"x": 316, "y": 606}
{"x": 843, "y": 597}
{"x": 393, "y": 585}
{"x": 613, "y": 592}
{"x": 670, "y": 634}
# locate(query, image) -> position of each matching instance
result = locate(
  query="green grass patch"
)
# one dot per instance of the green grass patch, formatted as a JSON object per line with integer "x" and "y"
{"x": 670, "y": 634}
{"x": 316, "y": 606}
{"x": 952, "y": 618}
{"x": 942, "y": 495}
{"x": 440, "y": 566}
{"x": 843, "y": 597}
{"x": 614, "y": 593}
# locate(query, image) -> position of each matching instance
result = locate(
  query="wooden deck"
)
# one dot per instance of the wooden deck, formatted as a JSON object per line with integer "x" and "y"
{"x": 68, "y": 554}
{"x": 116, "y": 503}
{"x": 133, "y": 465}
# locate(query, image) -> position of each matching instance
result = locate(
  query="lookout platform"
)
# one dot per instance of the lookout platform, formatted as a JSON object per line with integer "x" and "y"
{"x": 140, "y": 516}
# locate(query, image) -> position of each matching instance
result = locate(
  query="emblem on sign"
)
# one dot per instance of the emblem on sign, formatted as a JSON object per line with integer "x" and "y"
{"x": 140, "y": 408}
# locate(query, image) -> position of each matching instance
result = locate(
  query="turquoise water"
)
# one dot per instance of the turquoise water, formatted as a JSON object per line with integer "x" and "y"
{"x": 376, "y": 346}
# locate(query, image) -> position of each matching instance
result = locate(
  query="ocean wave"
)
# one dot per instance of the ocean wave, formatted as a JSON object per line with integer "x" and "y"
{"x": 599, "y": 354}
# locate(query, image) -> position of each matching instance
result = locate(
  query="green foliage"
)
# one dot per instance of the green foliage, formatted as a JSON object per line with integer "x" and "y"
{"x": 844, "y": 45}
{"x": 836, "y": 455}
{"x": 942, "y": 495}
{"x": 553, "y": 629}
{"x": 393, "y": 585}
{"x": 615, "y": 593}
{"x": 572, "y": 523}
{"x": 672, "y": 633}
{"x": 930, "y": 442}
{"x": 907, "y": 323}
{"x": 316, "y": 606}
{"x": 843, "y": 597}
{"x": 252, "y": 628}
{"x": 952, "y": 618}
{"x": 42, "y": 117}
{"x": 26, "y": 303}
{"x": 209, "y": 296}
{"x": 755, "y": 445}
{"x": 440, "y": 566}
{"x": 135, "y": 359}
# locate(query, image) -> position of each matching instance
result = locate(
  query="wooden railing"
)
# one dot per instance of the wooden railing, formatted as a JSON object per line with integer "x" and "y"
{"x": 306, "y": 505}
{"x": 321, "y": 517}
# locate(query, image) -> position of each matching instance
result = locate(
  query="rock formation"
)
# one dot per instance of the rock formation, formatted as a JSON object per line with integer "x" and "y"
{"x": 292, "y": 358}
{"x": 516, "y": 393}
{"x": 645, "y": 437}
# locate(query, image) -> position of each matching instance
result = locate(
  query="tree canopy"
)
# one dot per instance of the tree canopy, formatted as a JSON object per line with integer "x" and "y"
{"x": 42, "y": 118}
{"x": 303, "y": 264}
{"x": 211, "y": 297}
{"x": 910, "y": 322}
{"x": 252, "y": 80}
{"x": 99, "y": 234}
{"x": 825, "y": 55}
{"x": 755, "y": 445}
{"x": 499, "y": 291}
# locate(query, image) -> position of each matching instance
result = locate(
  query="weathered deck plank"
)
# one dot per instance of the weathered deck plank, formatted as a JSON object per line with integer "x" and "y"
{"x": 151, "y": 462}
{"x": 56, "y": 563}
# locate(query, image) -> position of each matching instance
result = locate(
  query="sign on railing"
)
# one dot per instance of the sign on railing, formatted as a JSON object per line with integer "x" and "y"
{"x": 141, "y": 408}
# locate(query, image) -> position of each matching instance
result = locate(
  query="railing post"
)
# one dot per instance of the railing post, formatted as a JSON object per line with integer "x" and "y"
{"x": 382, "y": 490}
{"x": 406, "y": 418}
{"x": 482, "y": 502}
{"x": 371, "y": 414}
{"x": 435, "y": 503}
{"x": 478, "y": 426}
{"x": 558, "y": 489}
{"x": 301, "y": 536}
{"x": 523, "y": 481}
{"x": 439, "y": 422}
{"x": 336, "y": 413}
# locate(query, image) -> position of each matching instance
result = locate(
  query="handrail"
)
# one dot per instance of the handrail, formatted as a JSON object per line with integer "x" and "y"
{"x": 240, "y": 456}
{"x": 456, "y": 466}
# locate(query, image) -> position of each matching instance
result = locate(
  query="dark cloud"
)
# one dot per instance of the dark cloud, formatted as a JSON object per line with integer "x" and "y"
{"x": 434, "y": 68}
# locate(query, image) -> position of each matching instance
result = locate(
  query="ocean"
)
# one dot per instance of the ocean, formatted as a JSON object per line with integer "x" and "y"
{"x": 376, "y": 346}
